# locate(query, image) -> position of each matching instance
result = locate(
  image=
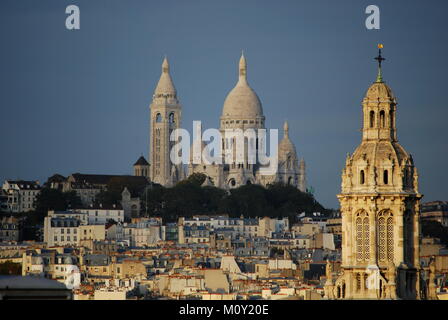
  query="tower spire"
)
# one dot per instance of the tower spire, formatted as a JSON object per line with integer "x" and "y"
{"x": 165, "y": 65}
{"x": 243, "y": 68}
{"x": 380, "y": 59}
{"x": 286, "y": 129}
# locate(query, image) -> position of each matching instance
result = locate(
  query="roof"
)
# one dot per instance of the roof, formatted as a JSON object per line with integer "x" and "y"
{"x": 56, "y": 178}
{"x": 141, "y": 162}
{"x": 28, "y": 282}
{"x": 23, "y": 184}
{"x": 104, "y": 179}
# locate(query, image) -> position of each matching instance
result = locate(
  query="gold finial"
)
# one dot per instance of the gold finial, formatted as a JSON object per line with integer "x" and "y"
{"x": 380, "y": 46}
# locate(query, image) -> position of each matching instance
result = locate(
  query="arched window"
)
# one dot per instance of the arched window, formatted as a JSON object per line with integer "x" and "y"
{"x": 372, "y": 119}
{"x": 289, "y": 180}
{"x": 171, "y": 117}
{"x": 362, "y": 177}
{"x": 362, "y": 236}
{"x": 158, "y": 117}
{"x": 386, "y": 236}
{"x": 382, "y": 119}
{"x": 386, "y": 177}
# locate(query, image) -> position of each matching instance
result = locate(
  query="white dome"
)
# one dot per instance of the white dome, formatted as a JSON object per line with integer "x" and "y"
{"x": 286, "y": 147}
{"x": 242, "y": 101}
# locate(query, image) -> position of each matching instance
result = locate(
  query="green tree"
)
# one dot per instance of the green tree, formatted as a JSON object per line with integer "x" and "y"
{"x": 108, "y": 198}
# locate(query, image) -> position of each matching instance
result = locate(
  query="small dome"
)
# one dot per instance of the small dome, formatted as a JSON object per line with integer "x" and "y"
{"x": 242, "y": 101}
{"x": 379, "y": 91}
{"x": 377, "y": 152}
{"x": 286, "y": 147}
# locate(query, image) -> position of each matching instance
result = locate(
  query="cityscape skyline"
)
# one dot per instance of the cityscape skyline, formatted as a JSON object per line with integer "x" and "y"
{"x": 295, "y": 68}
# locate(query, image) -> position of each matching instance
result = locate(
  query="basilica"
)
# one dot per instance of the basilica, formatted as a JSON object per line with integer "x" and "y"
{"x": 243, "y": 110}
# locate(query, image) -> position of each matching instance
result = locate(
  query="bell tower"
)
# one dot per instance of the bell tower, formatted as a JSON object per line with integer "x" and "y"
{"x": 380, "y": 211}
{"x": 165, "y": 116}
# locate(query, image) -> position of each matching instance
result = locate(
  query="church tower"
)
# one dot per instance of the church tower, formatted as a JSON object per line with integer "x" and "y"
{"x": 165, "y": 116}
{"x": 380, "y": 209}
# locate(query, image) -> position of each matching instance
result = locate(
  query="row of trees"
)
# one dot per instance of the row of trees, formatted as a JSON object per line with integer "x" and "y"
{"x": 189, "y": 198}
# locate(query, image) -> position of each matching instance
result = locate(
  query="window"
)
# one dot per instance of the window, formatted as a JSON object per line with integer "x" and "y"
{"x": 158, "y": 117}
{"x": 171, "y": 117}
{"x": 386, "y": 177}
{"x": 372, "y": 119}
{"x": 362, "y": 177}
{"x": 362, "y": 236}
{"x": 386, "y": 235}
{"x": 382, "y": 119}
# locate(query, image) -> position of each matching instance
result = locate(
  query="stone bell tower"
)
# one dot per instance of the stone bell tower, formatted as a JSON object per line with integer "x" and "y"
{"x": 165, "y": 116}
{"x": 380, "y": 208}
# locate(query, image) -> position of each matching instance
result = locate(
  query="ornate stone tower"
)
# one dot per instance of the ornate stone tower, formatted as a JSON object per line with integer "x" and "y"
{"x": 380, "y": 209}
{"x": 165, "y": 114}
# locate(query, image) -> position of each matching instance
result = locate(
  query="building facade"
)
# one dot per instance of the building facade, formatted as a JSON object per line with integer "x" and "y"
{"x": 20, "y": 195}
{"x": 380, "y": 208}
{"x": 242, "y": 110}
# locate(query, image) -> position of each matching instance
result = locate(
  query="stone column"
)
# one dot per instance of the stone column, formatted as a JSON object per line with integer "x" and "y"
{"x": 373, "y": 248}
{"x": 399, "y": 244}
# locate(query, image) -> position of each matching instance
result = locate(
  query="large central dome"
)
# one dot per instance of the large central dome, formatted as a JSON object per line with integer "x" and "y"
{"x": 242, "y": 102}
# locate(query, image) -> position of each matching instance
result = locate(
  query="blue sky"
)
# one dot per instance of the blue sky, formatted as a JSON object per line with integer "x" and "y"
{"x": 78, "y": 101}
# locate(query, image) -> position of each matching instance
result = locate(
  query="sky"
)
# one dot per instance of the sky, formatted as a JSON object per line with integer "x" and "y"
{"x": 78, "y": 100}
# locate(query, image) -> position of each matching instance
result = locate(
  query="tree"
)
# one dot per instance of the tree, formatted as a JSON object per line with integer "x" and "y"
{"x": 72, "y": 200}
{"x": 108, "y": 198}
{"x": 189, "y": 197}
{"x": 50, "y": 199}
{"x": 196, "y": 178}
